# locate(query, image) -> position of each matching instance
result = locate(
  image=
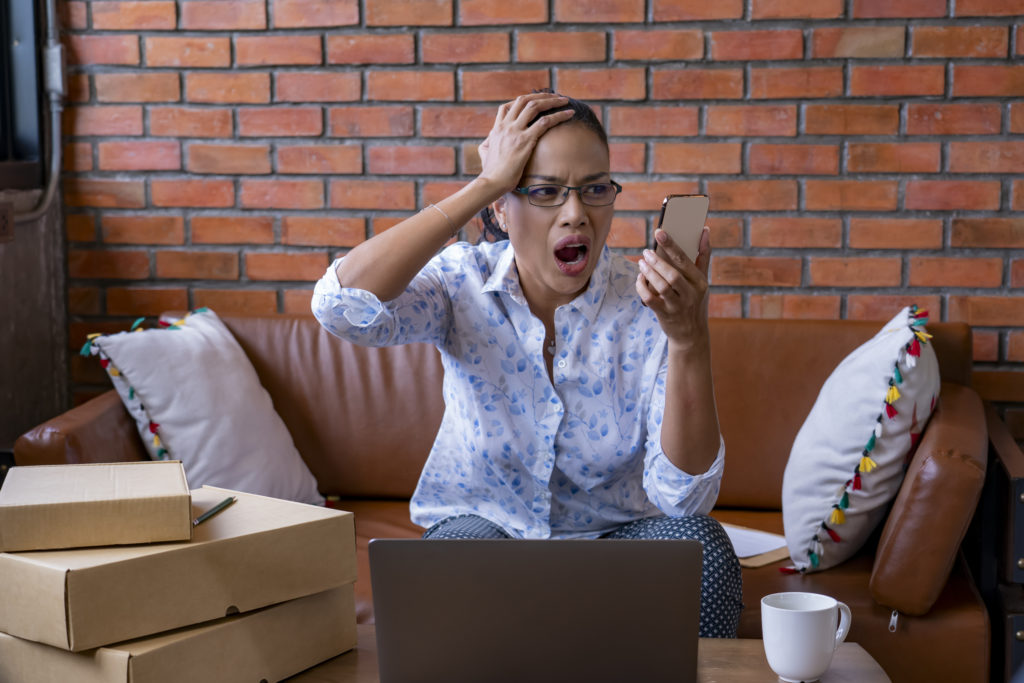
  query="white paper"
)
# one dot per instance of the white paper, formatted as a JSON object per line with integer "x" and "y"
{"x": 750, "y": 542}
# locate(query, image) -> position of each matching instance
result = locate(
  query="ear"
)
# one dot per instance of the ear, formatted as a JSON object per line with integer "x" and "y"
{"x": 499, "y": 206}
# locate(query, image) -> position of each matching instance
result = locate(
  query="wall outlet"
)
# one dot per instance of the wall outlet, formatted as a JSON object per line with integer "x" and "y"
{"x": 6, "y": 222}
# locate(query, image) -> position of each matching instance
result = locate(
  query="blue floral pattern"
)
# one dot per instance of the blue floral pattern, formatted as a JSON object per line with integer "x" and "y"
{"x": 572, "y": 458}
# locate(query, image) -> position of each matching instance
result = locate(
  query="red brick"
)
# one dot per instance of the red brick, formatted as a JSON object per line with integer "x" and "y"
{"x": 988, "y": 81}
{"x": 925, "y": 118}
{"x": 115, "y": 194}
{"x": 465, "y": 48}
{"x": 988, "y": 8}
{"x": 389, "y": 121}
{"x": 851, "y": 119}
{"x": 648, "y": 195}
{"x": 217, "y": 15}
{"x": 755, "y": 271}
{"x": 138, "y": 229}
{"x": 988, "y": 233}
{"x": 282, "y": 194}
{"x": 247, "y": 229}
{"x": 654, "y": 45}
{"x": 104, "y": 49}
{"x": 501, "y": 86}
{"x": 753, "y": 195}
{"x": 229, "y": 159}
{"x": 133, "y": 15}
{"x": 280, "y": 121}
{"x": 80, "y": 227}
{"x": 696, "y": 10}
{"x": 403, "y": 159}
{"x": 796, "y": 9}
{"x": 410, "y": 85}
{"x": 297, "y": 301}
{"x": 697, "y": 84}
{"x": 560, "y": 46}
{"x": 435, "y": 191}
{"x": 197, "y": 265}
{"x": 1017, "y": 204}
{"x": 795, "y": 232}
{"x": 456, "y": 121}
{"x": 1016, "y": 115}
{"x": 960, "y": 41}
{"x": 760, "y": 120}
{"x": 238, "y": 301}
{"x": 1015, "y": 351}
{"x": 628, "y": 232}
{"x": 888, "y": 81}
{"x": 201, "y": 52}
{"x": 999, "y": 385}
{"x": 140, "y": 156}
{"x": 103, "y": 120}
{"x": 794, "y": 159}
{"x": 698, "y": 158}
{"x": 108, "y": 265}
{"x": 885, "y": 306}
{"x": 78, "y": 88}
{"x": 930, "y": 271}
{"x": 725, "y": 232}
{"x": 314, "y": 13}
{"x": 73, "y": 15}
{"x": 628, "y": 157}
{"x": 145, "y": 301}
{"x": 197, "y": 193}
{"x": 408, "y": 12}
{"x": 1017, "y": 273}
{"x": 317, "y": 87}
{"x": 77, "y": 156}
{"x": 288, "y": 50}
{"x": 385, "y": 48}
{"x": 986, "y": 311}
{"x": 1004, "y": 156}
{"x": 137, "y": 87}
{"x": 603, "y": 84}
{"x": 392, "y": 195}
{"x": 319, "y": 231}
{"x": 892, "y": 9}
{"x": 895, "y": 233}
{"x": 645, "y": 121}
{"x": 325, "y": 159}
{"x": 599, "y": 11}
{"x": 949, "y": 195}
{"x": 757, "y": 45}
{"x": 725, "y": 305}
{"x": 303, "y": 266}
{"x": 850, "y": 195}
{"x": 883, "y": 157}
{"x": 184, "y": 122}
{"x": 796, "y": 83}
{"x": 84, "y": 301}
{"x": 486, "y": 12}
{"x": 794, "y": 306}
{"x": 855, "y": 272}
{"x": 858, "y": 42}
{"x": 228, "y": 88}
{"x": 985, "y": 346}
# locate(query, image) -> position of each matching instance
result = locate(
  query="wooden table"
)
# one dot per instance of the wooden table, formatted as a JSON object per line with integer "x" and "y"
{"x": 720, "y": 661}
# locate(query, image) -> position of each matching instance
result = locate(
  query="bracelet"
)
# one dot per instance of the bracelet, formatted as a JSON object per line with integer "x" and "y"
{"x": 446, "y": 217}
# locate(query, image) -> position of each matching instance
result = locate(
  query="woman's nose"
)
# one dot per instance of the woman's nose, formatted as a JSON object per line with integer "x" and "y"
{"x": 573, "y": 211}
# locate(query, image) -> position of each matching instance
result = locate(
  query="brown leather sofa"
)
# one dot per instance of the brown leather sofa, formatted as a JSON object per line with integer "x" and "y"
{"x": 364, "y": 419}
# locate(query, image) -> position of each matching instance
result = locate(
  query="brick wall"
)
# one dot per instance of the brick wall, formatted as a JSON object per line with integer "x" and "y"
{"x": 859, "y": 154}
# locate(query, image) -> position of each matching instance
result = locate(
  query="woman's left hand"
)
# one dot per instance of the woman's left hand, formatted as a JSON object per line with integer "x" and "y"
{"x": 676, "y": 288}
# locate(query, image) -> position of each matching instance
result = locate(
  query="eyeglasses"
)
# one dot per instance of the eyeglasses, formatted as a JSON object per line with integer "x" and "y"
{"x": 592, "y": 194}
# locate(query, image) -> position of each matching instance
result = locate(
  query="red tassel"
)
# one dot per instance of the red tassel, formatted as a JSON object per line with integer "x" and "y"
{"x": 163, "y": 323}
{"x": 153, "y": 426}
{"x": 921, "y": 314}
{"x": 856, "y": 481}
{"x": 104, "y": 362}
{"x": 832, "y": 534}
{"x": 890, "y": 411}
{"x": 915, "y": 348}
{"x": 789, "y": 570}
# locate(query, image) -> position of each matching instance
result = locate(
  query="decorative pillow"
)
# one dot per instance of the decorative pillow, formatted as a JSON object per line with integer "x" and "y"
{"x": 195, "y": 397}
{"x": 850, "y": 455}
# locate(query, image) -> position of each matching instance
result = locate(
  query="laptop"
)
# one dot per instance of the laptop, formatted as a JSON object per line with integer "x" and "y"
{"x": 527, "y": 611}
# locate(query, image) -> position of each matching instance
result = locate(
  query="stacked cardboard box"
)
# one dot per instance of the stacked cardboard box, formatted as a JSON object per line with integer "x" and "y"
{"x": 261, "y": 591}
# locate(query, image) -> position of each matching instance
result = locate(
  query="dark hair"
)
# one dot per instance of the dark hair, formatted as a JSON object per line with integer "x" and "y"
{"x": 581, "y": 113}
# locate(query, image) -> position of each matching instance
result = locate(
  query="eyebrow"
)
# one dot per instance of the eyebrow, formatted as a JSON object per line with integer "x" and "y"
{"x": 551, "y": 179}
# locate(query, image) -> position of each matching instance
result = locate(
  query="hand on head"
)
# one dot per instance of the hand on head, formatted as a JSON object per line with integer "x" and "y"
{"x": 676, "y": 288}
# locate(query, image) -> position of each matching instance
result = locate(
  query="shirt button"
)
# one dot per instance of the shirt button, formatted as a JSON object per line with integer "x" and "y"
{"x": 561, "y": 363}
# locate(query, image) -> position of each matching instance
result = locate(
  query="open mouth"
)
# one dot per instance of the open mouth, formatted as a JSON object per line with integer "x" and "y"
{"x": 571, "y": 254}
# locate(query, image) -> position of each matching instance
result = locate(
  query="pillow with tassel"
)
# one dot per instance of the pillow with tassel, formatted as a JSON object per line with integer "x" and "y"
{"x": 195, "y": 397}
{"x": 851, "y": 453}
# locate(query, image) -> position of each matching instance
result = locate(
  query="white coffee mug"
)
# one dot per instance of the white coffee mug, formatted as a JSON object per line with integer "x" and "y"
{"x": 801, "y": 632}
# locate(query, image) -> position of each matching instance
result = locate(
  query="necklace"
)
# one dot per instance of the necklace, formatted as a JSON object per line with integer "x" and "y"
{"x": 549, "y": 346}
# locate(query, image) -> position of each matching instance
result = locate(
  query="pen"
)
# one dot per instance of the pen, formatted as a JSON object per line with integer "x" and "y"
{"x": 212, "y": 511}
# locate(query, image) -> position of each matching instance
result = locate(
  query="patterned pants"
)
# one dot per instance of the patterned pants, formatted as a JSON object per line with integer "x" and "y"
{"x": 721, "y": 591}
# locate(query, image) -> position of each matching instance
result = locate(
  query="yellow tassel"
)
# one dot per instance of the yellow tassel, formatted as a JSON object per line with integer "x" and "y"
{"x": 114, "y": 372}
{"x": 922, "y": 335}
{"x": 156, "y": 440}
{"x": 837, "y": 517}
{"x": 892, "y": 395}
{"x": 94, "y": 335}
{"x": 867, "y": 464}
{"x": 179, "y": 323}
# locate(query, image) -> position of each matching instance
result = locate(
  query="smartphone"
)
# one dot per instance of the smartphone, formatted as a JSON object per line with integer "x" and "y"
{"x": 683, "y": 217}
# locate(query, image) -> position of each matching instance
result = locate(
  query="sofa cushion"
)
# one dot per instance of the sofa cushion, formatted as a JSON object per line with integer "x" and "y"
{"x": 849, "y": 456}
{"x": 195, "y": 397}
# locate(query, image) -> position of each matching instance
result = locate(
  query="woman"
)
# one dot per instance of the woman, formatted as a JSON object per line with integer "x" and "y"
{"x": 560, "y": 358}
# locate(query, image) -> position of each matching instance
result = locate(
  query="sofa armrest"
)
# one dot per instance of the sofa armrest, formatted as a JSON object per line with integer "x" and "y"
{"x": 100, "y": 430}
{"x": 1008, "y": 461}
{"x": 936, "y": 502}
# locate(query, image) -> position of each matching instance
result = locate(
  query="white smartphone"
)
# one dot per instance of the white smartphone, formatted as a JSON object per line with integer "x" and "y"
{"x": 683, "y": 217}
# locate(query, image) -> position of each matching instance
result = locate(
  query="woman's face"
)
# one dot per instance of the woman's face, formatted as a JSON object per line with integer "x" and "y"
{"x": 557, "y": 247}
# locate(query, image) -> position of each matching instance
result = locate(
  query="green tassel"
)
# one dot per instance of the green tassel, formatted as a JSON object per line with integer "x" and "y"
{"x": 814, "y": 559}
{"x": 871, "y": 444}
{"x": 137, "y": 323}
{"x": 131, "y": 392}
{"x": 87, "y": 348}
{"x": 844, "y": 502}
{"x": 202, "y": 309}
{"x": 898, "y": 377}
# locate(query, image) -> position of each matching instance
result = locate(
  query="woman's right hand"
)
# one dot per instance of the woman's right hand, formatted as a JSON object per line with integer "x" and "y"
{"x": 507, "y": 148}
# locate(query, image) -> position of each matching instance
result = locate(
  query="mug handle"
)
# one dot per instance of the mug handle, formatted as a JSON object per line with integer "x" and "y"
{"x": 844, "y": 622}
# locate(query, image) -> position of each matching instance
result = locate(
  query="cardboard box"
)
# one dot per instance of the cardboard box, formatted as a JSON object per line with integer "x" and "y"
{"x": 268, "y": 645}
{"x": 255, "y": 553}
{"x": 71, "y": 506}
